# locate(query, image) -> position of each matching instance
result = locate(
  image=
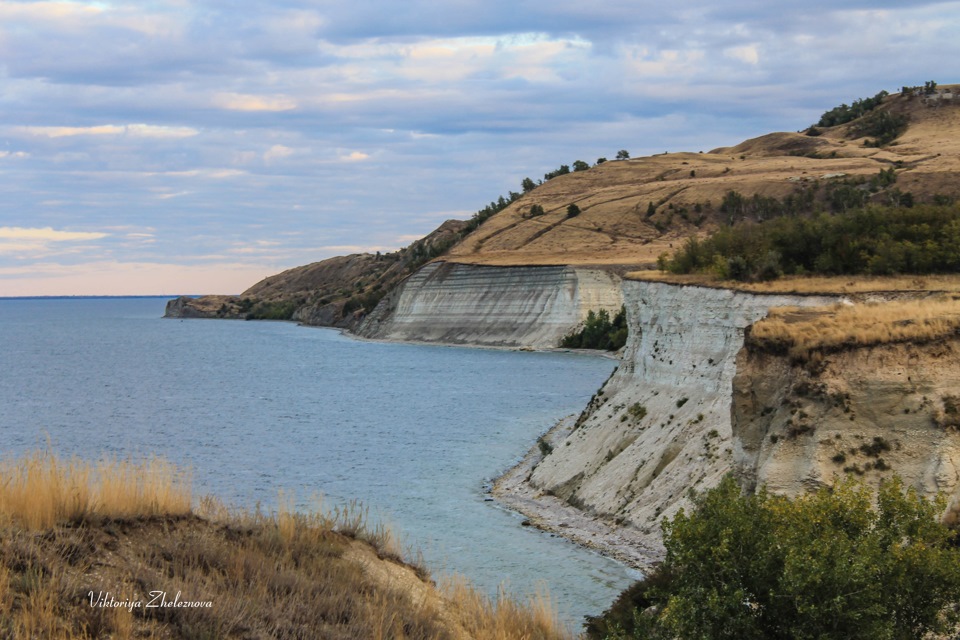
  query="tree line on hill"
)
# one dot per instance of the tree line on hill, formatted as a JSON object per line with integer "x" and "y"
{"x": 874, "y": 240}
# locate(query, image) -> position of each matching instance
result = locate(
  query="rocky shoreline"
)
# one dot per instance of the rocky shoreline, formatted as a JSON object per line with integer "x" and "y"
{"x": 549, "y": 513}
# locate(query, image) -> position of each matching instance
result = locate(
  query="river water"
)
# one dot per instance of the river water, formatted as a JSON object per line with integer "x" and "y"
{"x": 254, "y": 408}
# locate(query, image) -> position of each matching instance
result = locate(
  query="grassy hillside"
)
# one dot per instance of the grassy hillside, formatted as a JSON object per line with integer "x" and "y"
{"x": 633, "y": 210}
{"x": 115, "y": 550}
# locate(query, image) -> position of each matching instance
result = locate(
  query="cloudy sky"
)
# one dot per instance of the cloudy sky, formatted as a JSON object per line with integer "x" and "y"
{"x": 186, "y": 146}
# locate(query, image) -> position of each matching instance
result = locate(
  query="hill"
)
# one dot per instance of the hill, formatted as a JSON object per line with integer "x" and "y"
{"x": 631, "y": 211}
{"x": 336, "y": 292}
{"x": 116, "y": 550}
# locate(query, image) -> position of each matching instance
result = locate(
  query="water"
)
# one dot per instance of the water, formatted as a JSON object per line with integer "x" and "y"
{"x": 413, "y": 432}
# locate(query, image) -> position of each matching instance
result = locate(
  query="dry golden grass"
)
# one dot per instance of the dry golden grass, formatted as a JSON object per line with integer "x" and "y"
{"x": 40, "y": 490}
{"x": 802, "y": 332}
{"x": 813, "y": 285}
{"x": 484, "y": 619}
{"x": 613, "y": 227}
{"x": 71, "y": 529}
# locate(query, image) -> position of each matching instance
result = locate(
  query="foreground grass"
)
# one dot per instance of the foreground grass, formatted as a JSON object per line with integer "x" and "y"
{"x": 802, "y": 332}
{"x": 92, "y": 551}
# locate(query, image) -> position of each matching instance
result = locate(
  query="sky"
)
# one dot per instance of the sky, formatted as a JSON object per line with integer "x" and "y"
{"x": 186, "y": 147}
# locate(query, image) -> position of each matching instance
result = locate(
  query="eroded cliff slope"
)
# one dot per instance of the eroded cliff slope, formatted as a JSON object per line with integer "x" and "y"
{"x": 492, "y": 306}
{"x": 873, "y": 408}
{"x": 661, "y": 425}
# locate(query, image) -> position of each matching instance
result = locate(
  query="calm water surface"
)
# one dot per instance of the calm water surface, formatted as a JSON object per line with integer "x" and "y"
{"x": 413, "y": 432}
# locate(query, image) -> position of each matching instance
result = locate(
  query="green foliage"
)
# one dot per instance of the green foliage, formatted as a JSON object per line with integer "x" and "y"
{"x": 883, "y": 126}
{"x": 528, "y": 185}
{"x": 365, "y": 302}
{"x": 623, "y": 154}
{"x": 599, "y": 332}
{"x": 562, "y": 171}
{"x": 843, "y": 113}
{"x": 580, "y": 165}
{"x": 873, "y": 240}
{"x": 573, "y": 211}
{"x": 737, "y": 206}
{"x": 536, "y": 210}
{"x": 545, "y": 447}
{"x": 264, "y": 310}
{"x": 625, "y": 617}
{"x": 928, "y": 88}
{"x": 490, "y": 210}
{"x": 637, "y": 410}
{"x": 827, "y": 565}
{"x": 601, "y": 160}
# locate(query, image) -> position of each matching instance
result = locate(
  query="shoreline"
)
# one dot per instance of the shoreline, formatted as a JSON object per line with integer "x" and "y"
{"x": 610, "y": 355}
{"x": 551, "y": 514}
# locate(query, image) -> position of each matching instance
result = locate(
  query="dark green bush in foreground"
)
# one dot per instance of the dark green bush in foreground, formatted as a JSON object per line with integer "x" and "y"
{"x": 872, "y": 240}
{"x": 599, "y": 332}
{"x": 828, "y": 565}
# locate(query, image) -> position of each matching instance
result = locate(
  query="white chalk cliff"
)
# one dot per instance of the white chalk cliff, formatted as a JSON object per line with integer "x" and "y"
{"x": 492, "y": 306}
{"x": 662, "y": 424}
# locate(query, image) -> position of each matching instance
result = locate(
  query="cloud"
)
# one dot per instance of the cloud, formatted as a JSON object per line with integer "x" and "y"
{"x": 746, "y": 53}
{"x": 338, "y": 125}
{"x": 353, "y": 156}
{"x": 39, "y": 241}
{"x": 130, "y": 278}
{"x": 133, "y": 130}
{"x": 277, "y": 152}
{"x": 47, "y": 234}
{"x": 248, "y": 102}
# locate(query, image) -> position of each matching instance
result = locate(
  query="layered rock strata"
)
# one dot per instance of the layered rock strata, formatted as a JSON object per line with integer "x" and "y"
{"x": 873, "y": 411}
{"x": 661, "y": 424}
{"x": 492, "y": 306}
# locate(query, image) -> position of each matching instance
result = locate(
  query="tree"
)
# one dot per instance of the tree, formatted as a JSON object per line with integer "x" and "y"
{"x": 562, "y": 171}
{"x": 528, "y": 185}
{"x": 580, "y": 165}
{"x": 601, "y": 160}
{"x": 573, "y": 211}
{"x": 826, "y": 565}
{"x": 623, "y": 154}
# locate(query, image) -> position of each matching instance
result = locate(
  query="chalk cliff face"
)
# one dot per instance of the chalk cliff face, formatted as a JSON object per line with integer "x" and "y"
{"x": 661, "y": 424}
{"x": 873, "y": 411}
{"x": 492, "y": 306}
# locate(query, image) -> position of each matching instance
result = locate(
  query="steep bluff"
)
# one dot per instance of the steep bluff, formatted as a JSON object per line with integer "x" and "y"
{"x": 661, "y": 424}
{"x": 492, "y": 306}
{"x": 870, "y": 410}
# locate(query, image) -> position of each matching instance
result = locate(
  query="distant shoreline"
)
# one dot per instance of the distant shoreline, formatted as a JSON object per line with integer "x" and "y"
{"x": 103, "y": 297}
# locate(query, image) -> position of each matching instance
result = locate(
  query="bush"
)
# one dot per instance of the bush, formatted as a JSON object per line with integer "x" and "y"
{"x": 844, "y": 113}
{"x": 873, "y": 240}
{"x": 827, "y": 565}
{"x": 599, "y": 332}
{"x": 883, "y": 126}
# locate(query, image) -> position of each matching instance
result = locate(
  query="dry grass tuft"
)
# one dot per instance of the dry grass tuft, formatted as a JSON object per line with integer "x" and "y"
{"x": 803, "y": 332}
{"x": 41, "y": 490}
{"x": 71, "y": 532}
{"x": 484, "y": 619}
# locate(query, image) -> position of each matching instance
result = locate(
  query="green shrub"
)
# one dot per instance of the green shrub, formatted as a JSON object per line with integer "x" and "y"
{"x": 844, "y": 113}
{"x": 599, "y": 332}
{"x": 830, "y": 565}
{"x": 637, "y": 410}
{"x": 873, "y": 240}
